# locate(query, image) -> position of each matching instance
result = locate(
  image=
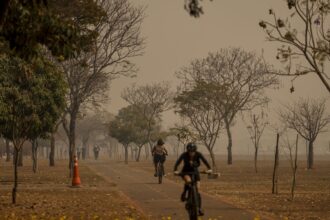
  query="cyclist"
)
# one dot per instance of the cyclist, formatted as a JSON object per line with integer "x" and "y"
{"x": 159, "y": 153}
{"x": 191, "y": 161}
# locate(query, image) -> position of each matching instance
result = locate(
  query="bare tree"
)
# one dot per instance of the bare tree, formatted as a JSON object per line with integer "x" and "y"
{"x": 203, "y": 117}
{"x": 183, "y": 134}
{"x": 256, "y": 127}
{"x": 234, "y": 81}
{"x": 89, "y": 75}
{"x": 293, "y": 155}
{"x": 151, "y": 101}
{"x": 308, "y": 119}
{"x": 276, "y": 164}
{"x": 305, "y": 48}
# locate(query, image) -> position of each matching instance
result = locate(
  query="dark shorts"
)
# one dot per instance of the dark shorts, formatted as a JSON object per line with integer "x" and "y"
{"x": 159, "y": 158}
{"x": 197, "y": 175}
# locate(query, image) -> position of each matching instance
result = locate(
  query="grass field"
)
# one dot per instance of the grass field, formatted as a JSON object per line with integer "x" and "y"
{"x": 48, "y": 195}
{"x": 241, "y": 186}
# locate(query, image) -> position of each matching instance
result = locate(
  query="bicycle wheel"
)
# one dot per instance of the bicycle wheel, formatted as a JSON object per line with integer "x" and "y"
{"x": 160, "y": 173}
{"x": 192, "y": 204}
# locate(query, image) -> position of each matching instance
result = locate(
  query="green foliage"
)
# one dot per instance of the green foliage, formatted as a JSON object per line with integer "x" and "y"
{"x": 196, "y": 99}
{"x": 183, "y": 134}
{"x": 31, "y": 98}
{"x": 59, "y": 27}
{"x": 130, "y": 126}
{"x": 204, "y": 117}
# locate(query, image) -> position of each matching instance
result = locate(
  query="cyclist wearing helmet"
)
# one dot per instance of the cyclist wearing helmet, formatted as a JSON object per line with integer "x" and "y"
{"x": 159, "y": 153}
{"x": 191, "y": 161}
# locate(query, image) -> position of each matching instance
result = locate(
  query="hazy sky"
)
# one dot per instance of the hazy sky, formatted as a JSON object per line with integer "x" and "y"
{"x": 174, "y": 38}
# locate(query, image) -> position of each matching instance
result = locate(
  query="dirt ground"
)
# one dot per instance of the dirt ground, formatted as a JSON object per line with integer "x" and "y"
{"x": 48, "y": 195}
{"x": 241, "y": 186}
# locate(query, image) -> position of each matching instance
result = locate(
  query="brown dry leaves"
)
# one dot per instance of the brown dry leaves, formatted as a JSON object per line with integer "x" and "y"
{"x": 242, "y": 187}
{"x": 48, "y": 195}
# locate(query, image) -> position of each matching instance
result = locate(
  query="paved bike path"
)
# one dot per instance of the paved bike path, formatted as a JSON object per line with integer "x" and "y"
{"x": 161, "y": 200}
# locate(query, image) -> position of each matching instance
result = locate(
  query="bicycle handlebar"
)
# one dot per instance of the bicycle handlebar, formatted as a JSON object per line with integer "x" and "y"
{"x": 193, "y": 173}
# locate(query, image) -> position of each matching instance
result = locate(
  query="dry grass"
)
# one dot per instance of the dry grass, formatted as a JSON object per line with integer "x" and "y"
{"x": 242, "y": 187}
{"x": 48, "y": 195}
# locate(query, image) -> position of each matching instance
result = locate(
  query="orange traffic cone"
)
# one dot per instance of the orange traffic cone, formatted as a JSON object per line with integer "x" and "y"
{"x": 76, "y": 178}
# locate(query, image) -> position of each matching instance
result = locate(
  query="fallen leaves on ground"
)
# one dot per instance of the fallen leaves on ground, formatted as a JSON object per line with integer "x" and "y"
{"x": 47, "y": 195}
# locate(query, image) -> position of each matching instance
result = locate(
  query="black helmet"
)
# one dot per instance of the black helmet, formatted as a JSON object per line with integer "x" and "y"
{"x": 160, "y": 142}
{"x": 191, "y": 147}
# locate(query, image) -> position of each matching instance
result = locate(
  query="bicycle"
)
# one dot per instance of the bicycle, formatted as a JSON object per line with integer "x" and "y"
{"x": 160, "y": 172}
{"x": 192, "y": 202}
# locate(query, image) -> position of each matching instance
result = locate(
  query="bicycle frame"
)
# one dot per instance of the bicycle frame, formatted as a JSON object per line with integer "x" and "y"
{"x": 192, "y": 203}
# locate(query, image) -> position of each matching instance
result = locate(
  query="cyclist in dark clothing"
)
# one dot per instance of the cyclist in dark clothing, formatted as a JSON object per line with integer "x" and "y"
{"x": 191, "y": 161}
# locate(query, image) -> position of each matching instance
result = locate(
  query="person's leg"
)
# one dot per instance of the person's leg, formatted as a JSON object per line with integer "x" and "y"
{"x": 163, "y": 166}
{"x": 187, "y": 181}
{"x": 155, "y": 164}
{"x": 199, "y": 197}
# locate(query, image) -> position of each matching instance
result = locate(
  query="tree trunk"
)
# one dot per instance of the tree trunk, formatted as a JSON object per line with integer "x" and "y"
{"x": 139, "y": 153}
{"x": 126, "y": 154}
{"x": 275, "y": 174}
{"x": 84, "y": 141}
{"x": 20, "y": 158}
{"x": 1, "y": 149}
{"x": 146, "y": 151}
{"x": 295, "y": 166}
{"x": 34, "y": 155}
{"x": 230, "y": 143}
{"x": 87, "y": 151}
{"x": 7, "y": 151}
{"x": 110, "y": 150}
{"x": 310, "y": 155}
{"x": 307, "y": 154}
{"x": 132, "y": 153}
{"x": 117, "y": 150}
{"x": 214, "y": 166}
{"x": 52, "y": 150}
{"x": 14, "y": 157}
{"x": 84, "y": 149}
{"x": 255, "y": 159}
{"x": 150, "y": 148}
{"x": 72, "y": 138}
{"x": 16, "y": 151}
{"x": 151, "y": 145}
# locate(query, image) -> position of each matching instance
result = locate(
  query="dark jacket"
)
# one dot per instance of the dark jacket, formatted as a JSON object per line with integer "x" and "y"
{"x": 190, "y": 163}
